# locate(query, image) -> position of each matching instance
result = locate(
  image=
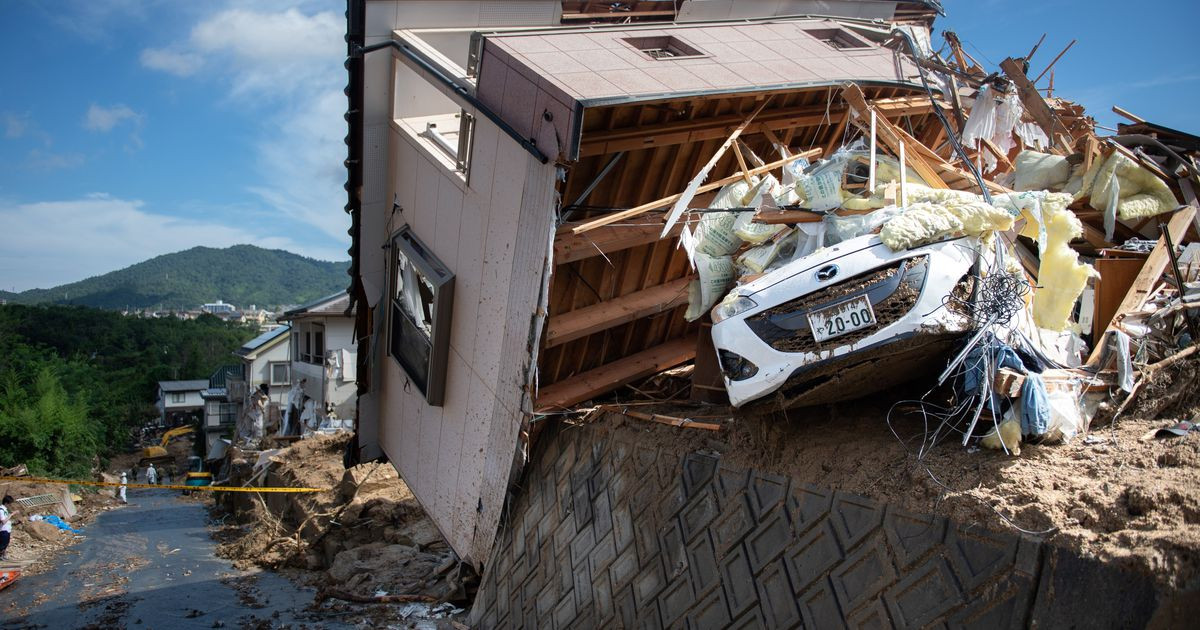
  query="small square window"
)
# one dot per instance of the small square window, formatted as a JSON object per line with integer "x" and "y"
{"x": 177, "y": 398}
{"x": 664, "y": 47}
{"x": 279, "y": 374}
{"x": 838, "y": 38}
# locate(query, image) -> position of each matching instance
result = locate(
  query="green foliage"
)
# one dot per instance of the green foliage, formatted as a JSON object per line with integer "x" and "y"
{"x": 75, "y": 382}
{"x": 241, "y": 275}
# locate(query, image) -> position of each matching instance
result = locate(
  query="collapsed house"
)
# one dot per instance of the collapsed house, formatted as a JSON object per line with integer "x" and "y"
{"x": 800, "y": 208}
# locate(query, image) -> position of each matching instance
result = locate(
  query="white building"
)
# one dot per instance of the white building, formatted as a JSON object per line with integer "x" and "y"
{"x": 180, "y": 401}
{"x": 323, "y": 353}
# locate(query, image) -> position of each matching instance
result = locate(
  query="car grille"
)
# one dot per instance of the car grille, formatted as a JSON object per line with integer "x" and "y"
{"x": 892, "y": 290}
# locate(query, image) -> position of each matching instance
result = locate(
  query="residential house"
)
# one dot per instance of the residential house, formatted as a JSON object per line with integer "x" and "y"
{"x": 323, "y": 353}
{"x": 179, "y": 402}
{"x": 222, "y": 404}
{"x": 477, "y": 143}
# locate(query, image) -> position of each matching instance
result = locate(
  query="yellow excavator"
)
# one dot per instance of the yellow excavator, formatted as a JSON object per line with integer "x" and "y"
{"x": 157, "y": 454}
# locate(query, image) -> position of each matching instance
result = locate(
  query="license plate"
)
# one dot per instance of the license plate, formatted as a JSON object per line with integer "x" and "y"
{"x": 841, "y": 318}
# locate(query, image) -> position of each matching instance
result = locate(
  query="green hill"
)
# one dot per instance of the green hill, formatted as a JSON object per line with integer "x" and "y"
{"x": 240, "y": 275}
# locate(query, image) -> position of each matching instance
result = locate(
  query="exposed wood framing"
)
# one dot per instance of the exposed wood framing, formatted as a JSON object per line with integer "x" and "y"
{"x": 1151, "y": 271}
{"x": 570, "y": 247}
{"x": 1036, "y": 106}
{"x": 666, "y": 201}
{"x": 891, "y": 136}
{"x": 611, "y": 313}
{"x": 581, "y": 387}
{"x": 671, "y": 133}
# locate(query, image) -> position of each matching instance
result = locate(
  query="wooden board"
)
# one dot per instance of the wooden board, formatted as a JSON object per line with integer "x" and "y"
{"x": 585, "y": 321}
{"x": 1036, "y": 106}
{"x": 570, "y": 247}
{"x": 608, "y": 377}
{"x": 1148, "y": 276}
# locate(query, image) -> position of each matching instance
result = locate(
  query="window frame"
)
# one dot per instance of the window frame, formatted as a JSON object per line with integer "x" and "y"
{"x": 439, "y": 280}
{"x": 178, "y": 398}
{"x": 287, "y": 380}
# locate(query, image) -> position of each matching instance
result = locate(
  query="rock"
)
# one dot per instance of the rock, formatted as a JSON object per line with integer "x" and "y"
{"x": 43, "y": 531}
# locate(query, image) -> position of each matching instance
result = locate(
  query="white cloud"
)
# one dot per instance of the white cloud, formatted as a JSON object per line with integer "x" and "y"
{"x": 103, "y": 119}
{"x": 49, "y": 243}
{"x": 287, "y": 63}
{"x": 14, "y": 125}
{"x": 274, "y": 54}
{"x": 181, "y": 64}
{"x": 44, "y": 160}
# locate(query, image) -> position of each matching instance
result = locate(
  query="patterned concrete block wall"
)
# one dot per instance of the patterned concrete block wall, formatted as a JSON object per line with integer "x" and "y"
{"x": 609, "y": 532}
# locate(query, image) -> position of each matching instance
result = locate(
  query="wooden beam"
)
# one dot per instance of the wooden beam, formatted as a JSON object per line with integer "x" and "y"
{"x": 585, "y": 321}
{"x": 1036, "y": 106}
{"x": 1151, "y": 271}
{"x": 666, "y": 134}
{"x": 686, "y": 423}
{"x": 666, "y": 201}
{"x": 570, "y": 247}
{"x": 1000, "y": 156}
{"x": 891, "y": 136}
{"x": 1125, "y": 114}
{"x": 581, "y": 387}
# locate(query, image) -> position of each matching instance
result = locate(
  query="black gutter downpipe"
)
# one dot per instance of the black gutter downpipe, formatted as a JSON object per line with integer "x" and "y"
{"x": 461, "y": 91}
{"x": 356, "y": 28}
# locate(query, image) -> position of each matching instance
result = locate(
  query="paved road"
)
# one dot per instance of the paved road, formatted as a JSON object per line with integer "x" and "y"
{"x": 151, "y": 565}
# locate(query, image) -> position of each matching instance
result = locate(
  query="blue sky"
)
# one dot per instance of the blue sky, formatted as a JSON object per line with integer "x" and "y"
{"x": 133, "y": 128}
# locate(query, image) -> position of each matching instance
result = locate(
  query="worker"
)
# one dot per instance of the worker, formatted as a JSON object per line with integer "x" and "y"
{"x": 122, "y": 489}
{"x": 5, "y": 525}
{"x": 151, "y": 474}
{"x": 295, "y": 405}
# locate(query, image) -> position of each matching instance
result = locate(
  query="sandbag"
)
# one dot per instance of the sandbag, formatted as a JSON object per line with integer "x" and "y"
{"x": 716, "y": 274}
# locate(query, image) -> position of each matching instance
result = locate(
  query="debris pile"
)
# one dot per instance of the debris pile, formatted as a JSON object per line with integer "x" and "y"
{"x": 364, "y": 539}
{"x": 980, "y": 231}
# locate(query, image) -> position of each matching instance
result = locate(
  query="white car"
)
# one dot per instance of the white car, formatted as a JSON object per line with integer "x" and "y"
{"x": 843, "y": 322}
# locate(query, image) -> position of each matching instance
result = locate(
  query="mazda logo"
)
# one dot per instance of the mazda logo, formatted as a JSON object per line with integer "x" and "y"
{"x": 827, "y": 272}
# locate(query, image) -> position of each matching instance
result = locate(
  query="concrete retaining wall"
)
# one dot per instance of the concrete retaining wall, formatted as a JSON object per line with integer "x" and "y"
{"x": 607, "y": 532}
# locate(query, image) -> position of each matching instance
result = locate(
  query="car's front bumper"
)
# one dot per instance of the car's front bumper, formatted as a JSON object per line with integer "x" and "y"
{"x": 764, "y": 348}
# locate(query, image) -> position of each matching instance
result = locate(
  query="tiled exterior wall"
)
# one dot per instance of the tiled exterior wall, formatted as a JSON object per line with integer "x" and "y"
{"x": 610, "y": 533}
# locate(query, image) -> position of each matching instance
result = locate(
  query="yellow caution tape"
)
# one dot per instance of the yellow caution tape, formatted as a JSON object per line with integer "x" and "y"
{"x": 117, "y": 484}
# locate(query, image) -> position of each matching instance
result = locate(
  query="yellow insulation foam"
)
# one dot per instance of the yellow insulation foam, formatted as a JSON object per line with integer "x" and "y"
{"x": 1142, "y": 194}
{"x": 1061, "y": 277}
{"x": 926, "y": 221}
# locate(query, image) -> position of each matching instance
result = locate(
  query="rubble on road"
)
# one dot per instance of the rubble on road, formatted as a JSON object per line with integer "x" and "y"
{"x": 364, "y": 536}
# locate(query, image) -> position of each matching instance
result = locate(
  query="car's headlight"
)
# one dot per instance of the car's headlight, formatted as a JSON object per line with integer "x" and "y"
{"x": 732, "y": 306}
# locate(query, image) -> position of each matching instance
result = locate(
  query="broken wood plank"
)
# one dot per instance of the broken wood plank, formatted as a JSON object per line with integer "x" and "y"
{"x": 775, "y": 216}
{"x": 1151, "y": 271}
{"x": 569, "y": 247}
{"x": 581, "y": 387}
{"x": 666, "y": 201}
{"x": 693, "y": 186}
{"x": 1054, "y": 61}
{"x": 891, "y": 136}
{"x": 686, "y": 423}
{"x": 585, "y": 321}
{"x": 1000, "y": 156}
{"x": 1036, "y": 106}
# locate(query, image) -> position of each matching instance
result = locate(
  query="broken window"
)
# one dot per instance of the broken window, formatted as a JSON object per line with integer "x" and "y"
{"x": 663, "y": 47}
{"x": 422, "y": 296}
